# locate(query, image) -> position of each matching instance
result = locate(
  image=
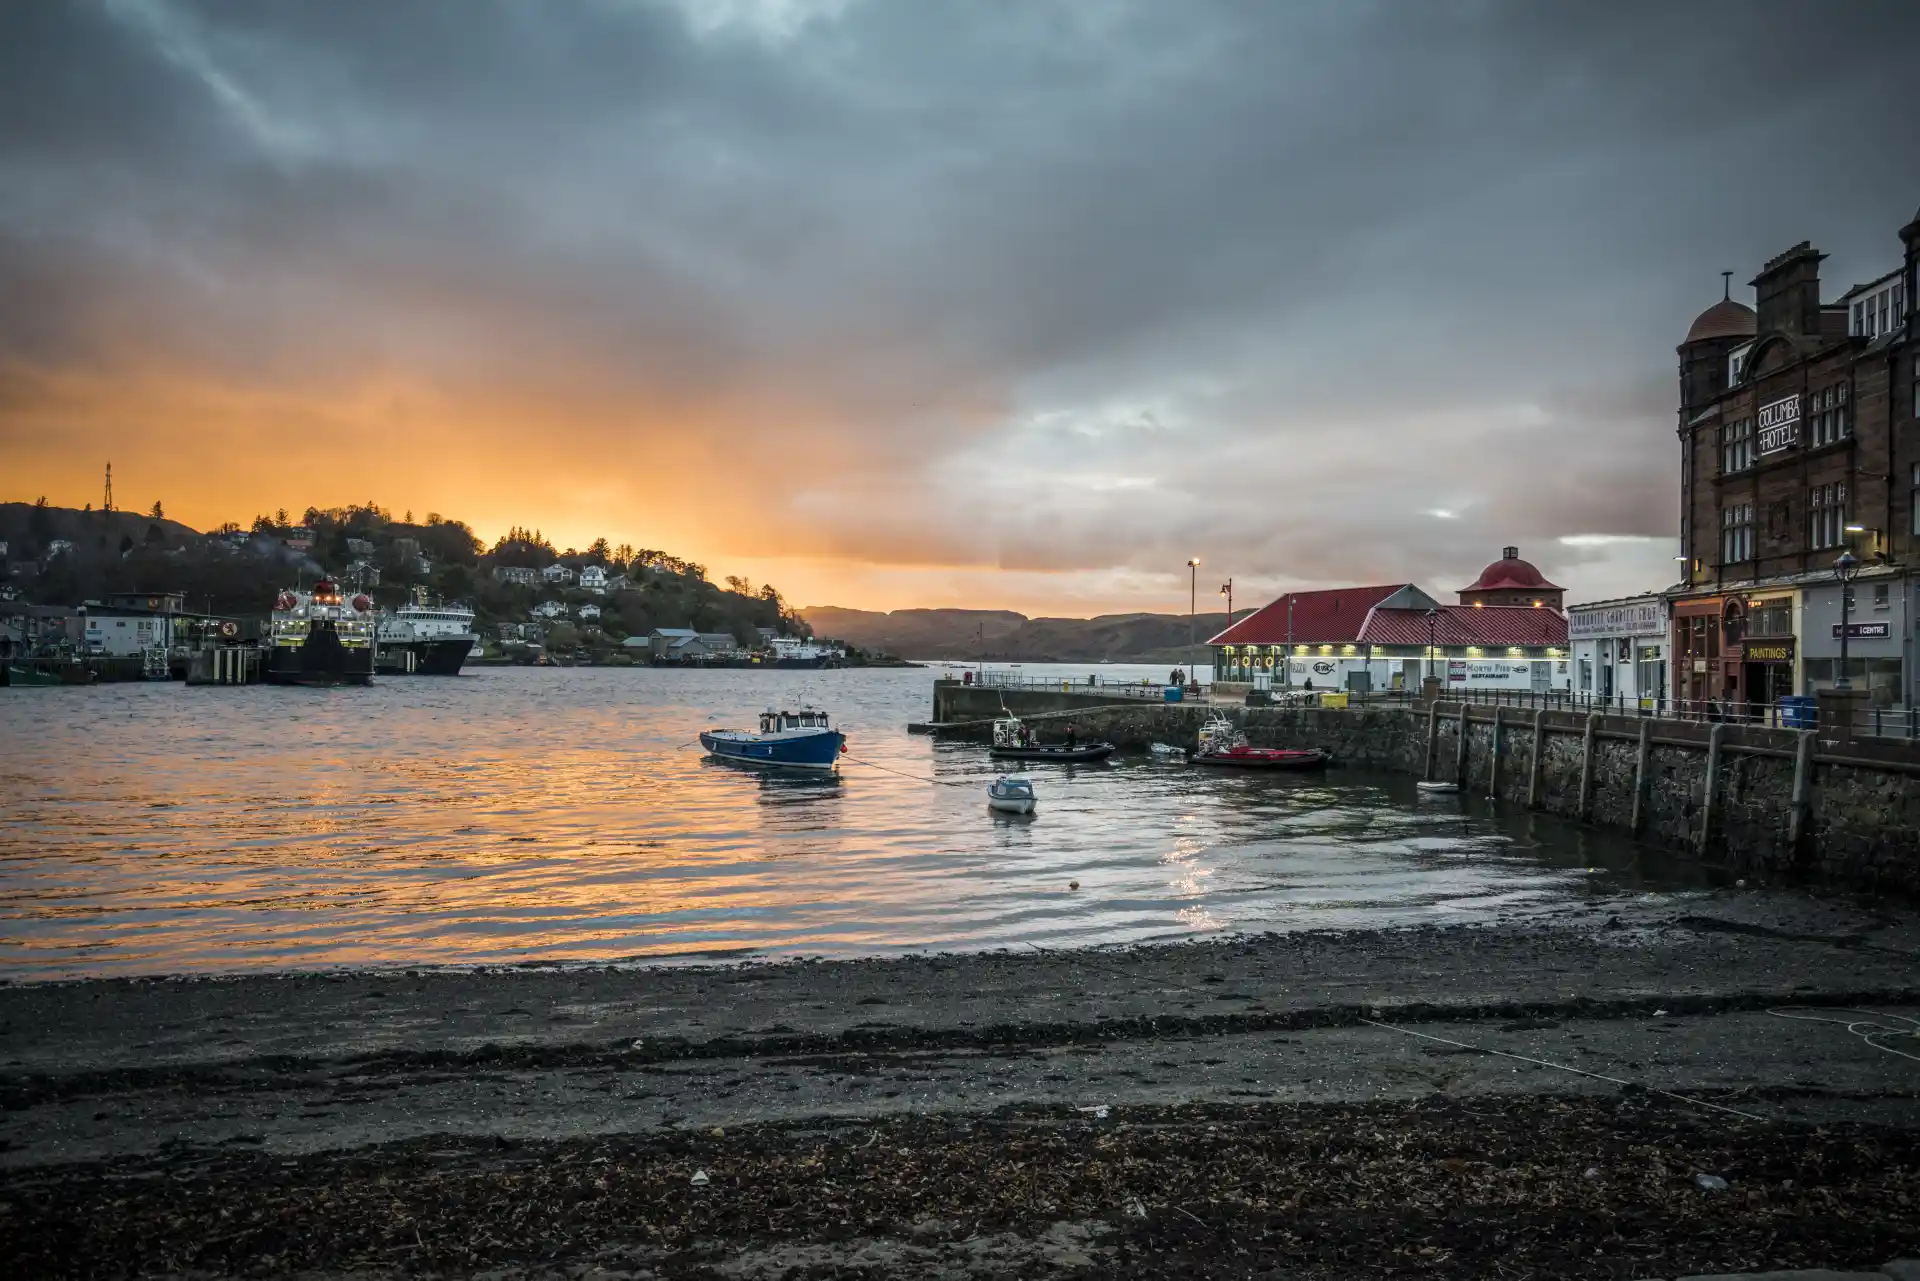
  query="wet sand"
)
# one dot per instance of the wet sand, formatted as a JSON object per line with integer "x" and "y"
{"x": 1268, "y": 1106}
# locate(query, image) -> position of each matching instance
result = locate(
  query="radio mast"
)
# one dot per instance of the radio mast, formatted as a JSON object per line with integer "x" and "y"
{"x": 107, "y": 505}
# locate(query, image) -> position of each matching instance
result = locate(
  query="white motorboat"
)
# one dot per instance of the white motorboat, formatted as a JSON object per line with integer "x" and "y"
{"x": 1010, "y": 795}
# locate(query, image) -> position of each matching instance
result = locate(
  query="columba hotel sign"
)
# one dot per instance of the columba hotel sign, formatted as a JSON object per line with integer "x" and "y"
{"x": 1778, "y": 425}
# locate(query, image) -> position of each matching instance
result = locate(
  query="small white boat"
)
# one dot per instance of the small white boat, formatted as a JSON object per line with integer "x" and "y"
{"x": 1010, "y": 795}
{"x": 1437, "y": 787}
{"x": 1166, "y": 750}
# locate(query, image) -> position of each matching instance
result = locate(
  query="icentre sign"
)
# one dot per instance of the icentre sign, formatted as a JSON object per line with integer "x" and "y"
{"x": 1778, "y": 425}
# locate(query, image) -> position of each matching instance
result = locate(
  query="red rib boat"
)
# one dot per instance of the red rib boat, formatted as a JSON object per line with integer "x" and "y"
{"x": 1263, "y": 757}
{"x": 1222, "y": 743}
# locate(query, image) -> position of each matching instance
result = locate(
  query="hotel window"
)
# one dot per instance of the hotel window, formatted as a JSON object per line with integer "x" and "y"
{"x": 1829, "y": 408}
{"x": 1736, "y": 446}
{"x": 1859, "y": 315}
{"x": 1827, "y": 508}
{"x": 1736, "y": 534}
{"x": 1913, "y": 498}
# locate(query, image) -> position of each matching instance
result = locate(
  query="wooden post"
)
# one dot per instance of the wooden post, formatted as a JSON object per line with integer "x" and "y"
{"x": 1640, "y": 760}
{"x": 1586, "y": 768}
{"x": 1493, "y": 765}
{"x": 1539, "y": 762}
{"x": 1433, "y": 736}
{"x": 1714, "y": 736}
{"x": 1800, "y": 813}
{"x": 1460, "y": 753}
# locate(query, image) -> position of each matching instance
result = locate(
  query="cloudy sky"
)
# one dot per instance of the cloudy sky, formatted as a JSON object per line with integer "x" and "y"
{"x": 902, "y": 302}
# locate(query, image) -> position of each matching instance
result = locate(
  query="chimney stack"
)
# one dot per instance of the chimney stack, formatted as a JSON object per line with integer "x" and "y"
{"x": 1788, "y": 291}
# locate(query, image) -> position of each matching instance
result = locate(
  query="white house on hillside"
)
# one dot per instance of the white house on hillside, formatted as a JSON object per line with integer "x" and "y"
{"x": 550, "y": 609}
{"x": 557, "y": 574}
{"x": 593, "y": 579}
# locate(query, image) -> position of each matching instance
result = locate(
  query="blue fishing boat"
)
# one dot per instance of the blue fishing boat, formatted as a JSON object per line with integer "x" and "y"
{"x": 796, "y": 740}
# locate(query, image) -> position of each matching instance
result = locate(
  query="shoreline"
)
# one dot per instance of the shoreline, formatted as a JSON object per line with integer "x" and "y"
{"x": 228, "y": 1120}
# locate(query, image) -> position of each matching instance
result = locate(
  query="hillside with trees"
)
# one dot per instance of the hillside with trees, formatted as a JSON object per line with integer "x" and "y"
{"x": 60, "y": 556}
{"x": 966, "y": 635}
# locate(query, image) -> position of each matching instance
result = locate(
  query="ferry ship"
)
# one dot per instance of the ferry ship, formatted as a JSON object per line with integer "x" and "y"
{"x": 791, "y": 651}
{"x": 319, "y": 637}
{"x": 426, "y": 639}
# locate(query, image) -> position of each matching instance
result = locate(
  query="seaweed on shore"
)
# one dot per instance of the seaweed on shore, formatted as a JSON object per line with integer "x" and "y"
{"x": 1536, "y": 1186}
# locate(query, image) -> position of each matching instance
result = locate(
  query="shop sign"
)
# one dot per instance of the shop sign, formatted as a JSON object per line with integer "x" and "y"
{"x": 1638, "y": 618}
{"x": 1778, "y": 425}
{"x": 1864, "y": 631}
{"x": 1470, "y": 671}
{"x": 1770, "y": 651}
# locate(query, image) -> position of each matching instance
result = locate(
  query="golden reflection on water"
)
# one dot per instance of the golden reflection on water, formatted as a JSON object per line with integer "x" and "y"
{"x": 521, "y": 815}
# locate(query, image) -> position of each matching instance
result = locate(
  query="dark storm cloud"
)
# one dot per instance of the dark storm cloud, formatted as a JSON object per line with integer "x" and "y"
{"x": 1360, "y": 262}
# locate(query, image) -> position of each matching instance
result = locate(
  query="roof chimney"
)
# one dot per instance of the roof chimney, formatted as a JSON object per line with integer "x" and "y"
{"x": 1788, "y": 290}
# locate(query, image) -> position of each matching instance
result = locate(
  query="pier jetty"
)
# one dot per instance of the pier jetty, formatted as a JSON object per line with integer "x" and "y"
{"x": 1833, "y": 805}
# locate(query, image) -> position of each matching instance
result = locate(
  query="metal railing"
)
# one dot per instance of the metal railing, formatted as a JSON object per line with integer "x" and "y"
{"x": 1145, "y": 689}
{"x": 1901, "y": 722}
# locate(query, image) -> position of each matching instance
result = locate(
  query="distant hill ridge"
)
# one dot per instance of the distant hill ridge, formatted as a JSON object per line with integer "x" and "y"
{"x": 1002, "y": 635}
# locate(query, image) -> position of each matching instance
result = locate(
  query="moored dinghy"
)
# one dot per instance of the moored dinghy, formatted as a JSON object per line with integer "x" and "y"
{"x": 1012, "y": 741}
{"x": 1010, "y": 795}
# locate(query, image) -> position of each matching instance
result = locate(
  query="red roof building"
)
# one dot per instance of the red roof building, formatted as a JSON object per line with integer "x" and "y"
{"x": 1507, "y": 632}
{"x": 1512, "y": 581}
{"x": 1313, "y": 618}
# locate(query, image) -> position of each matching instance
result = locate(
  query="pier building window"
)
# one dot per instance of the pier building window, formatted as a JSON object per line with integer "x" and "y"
{"x": 1829, "y": 407}
{"x": 1827, "y": 508}
{"x": 1736, "y": 446}
{"x": 1736, "y": 534}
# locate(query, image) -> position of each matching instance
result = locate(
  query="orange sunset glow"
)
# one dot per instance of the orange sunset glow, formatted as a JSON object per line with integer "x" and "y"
{"x": 769, "y": 286}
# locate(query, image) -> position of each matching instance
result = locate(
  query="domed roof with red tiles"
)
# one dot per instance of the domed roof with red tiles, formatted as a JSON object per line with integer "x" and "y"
{"x": 1725, "y": 319}
{"x": 1510, "y": 572}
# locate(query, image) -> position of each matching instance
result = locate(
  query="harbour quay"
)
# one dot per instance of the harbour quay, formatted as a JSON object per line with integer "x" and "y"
{"x": 1823, "y": 805}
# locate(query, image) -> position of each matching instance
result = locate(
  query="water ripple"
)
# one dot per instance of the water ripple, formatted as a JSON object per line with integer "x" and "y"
{"x": 520, "y": 815}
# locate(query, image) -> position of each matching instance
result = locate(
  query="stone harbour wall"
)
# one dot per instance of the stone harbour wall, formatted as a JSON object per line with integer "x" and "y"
{"x": 1785, "y": 802}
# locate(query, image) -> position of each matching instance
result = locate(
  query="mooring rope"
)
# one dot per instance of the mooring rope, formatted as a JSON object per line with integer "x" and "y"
{"x": 1853, "y": 1026}
{"x": 918, "y": 778}
{"x": 1611, "y": 1080}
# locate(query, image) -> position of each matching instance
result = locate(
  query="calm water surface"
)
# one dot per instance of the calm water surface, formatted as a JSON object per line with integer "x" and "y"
{"x": 519, "y": 815}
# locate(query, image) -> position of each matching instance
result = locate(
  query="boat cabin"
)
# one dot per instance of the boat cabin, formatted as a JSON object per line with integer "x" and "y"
{"x": 779, "y": 722}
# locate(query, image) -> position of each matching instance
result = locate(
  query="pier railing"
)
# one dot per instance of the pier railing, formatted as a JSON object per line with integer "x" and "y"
{"x": 1890, "y": 721}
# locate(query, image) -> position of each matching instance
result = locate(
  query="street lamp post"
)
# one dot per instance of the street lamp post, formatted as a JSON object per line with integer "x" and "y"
{"x": 1226, "y": 589}
{"x": 1288, "y": 660}
{"x": 1193, "y": 610}
{"x": 1844, "y": 569}
{"x": 1433, "y": 618}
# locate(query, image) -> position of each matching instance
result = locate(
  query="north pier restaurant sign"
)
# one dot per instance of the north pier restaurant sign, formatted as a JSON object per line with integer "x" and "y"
{"x": 1778, "y": 425}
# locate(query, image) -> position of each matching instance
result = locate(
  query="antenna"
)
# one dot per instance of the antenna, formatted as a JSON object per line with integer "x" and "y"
{"x": 1726, "y": 286}
{"x": 107, "y": 505}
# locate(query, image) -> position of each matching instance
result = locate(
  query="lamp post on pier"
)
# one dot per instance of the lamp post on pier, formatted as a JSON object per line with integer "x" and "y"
{"x": 1433, "y": 618}
{"x": 1193, "y": 610}
{"x": 1844, "y": 569}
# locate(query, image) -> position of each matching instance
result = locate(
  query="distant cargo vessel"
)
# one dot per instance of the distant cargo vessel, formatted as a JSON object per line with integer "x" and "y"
{"x": 427, "y": 640}
{"x": 319, "y": 637}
